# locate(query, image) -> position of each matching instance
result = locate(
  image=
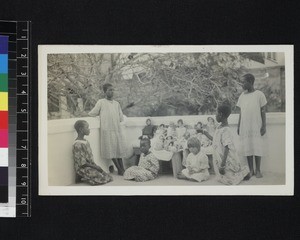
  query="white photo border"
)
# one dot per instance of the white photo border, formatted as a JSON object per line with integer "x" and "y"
{"x": 268, "y": 190}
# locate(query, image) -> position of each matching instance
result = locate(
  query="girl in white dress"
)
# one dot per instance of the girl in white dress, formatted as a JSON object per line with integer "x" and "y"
{"x": 227, "y": 164}
{"x": 252, "y": 124}
{"x": 196, "y": 163}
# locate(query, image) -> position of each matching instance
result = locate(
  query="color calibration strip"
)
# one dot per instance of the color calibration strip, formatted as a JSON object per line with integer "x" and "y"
{"x": 3, "y": 119}
{"x": 15, "y": 104}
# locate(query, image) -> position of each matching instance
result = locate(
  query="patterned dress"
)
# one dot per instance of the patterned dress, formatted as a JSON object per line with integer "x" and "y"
{"x": 252, "y": 143}
{"x": 146, "y": 170}
{"x": 234, "y": 172}
{"x": 199, "y": 164}
{"x": 82, "y": 154}
{"x": 112, "y": 140}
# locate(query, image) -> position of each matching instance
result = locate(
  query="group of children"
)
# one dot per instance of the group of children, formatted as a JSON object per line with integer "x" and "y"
{"x": 199, "y": 145}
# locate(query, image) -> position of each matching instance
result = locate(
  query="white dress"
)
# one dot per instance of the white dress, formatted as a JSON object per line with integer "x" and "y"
{"x": 199, "y": 164}
{"x": 252, "y": 143}
{"x": 112, "y": 140}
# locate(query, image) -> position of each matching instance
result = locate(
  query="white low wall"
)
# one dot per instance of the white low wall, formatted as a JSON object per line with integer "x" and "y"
{"x": 61, "y": 136}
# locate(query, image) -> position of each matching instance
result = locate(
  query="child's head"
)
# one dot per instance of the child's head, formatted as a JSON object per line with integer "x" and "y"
{"x": 199, "y": 125}
{"x": 145, "y": 145}
{"x": 194, "y": 145}
{"x": 223, "y": 112}
{"x": 210, "y": 120}
{"x": 108, "y": 90}
{"x": 248, "y": 81}
{"x": 180, "y": 122}
{"x": 169, "y": 138}
{"x": 161, "y": 137}
{"x": 82, "y": 127}
{"x": 162, "y": 126}
{"x": 172, "y": 125}
{"x": 186, "y": 135}
{"x": 148, "y": 122}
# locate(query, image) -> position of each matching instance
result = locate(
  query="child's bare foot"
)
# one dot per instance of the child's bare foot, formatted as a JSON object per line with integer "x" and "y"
{"x": 181, "y": 176}
{"x": 111, "y": 169}
{"x": 258, "y": 174}
{"x": 249, "y": 175}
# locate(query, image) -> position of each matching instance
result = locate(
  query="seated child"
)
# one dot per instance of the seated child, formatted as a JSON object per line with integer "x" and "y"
{"x": 85, "y": 167}
{"x": 196, "y": 163}
{"x": 158, "y": 142}
{"x": 180, "y": 130}
{"x": 149, "y": 129}
{"x": 161, "y": 130}
{"x": 171, "y": 131}
{"x": 148, "y": 166}
{"x": 167, "y": 142}
{"x": 211, "y": 126}
{"x": 182, "y": 145}
{"x": 198, "y": 127}
{"x": 226, "y": 161}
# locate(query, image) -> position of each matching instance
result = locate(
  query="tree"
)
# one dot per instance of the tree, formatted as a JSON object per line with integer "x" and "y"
{"x": 147, "y": 84}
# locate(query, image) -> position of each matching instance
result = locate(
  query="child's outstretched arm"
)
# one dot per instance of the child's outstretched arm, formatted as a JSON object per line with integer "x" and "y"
{"x": 263, "y": 118}
{"x": 95, "y": 111}
{"x": 205, "y": 133}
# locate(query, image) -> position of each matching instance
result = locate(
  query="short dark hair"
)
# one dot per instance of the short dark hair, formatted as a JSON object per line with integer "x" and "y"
{"x": 147, "y": 140}
{"x": 225, "y": 110}
{"x": 180, "y": 120}
{"x": 106, "y": 86}
{"x": 249, "y": 78}
{"x": 79, "y": 124}
{"x": 210, "y": 118}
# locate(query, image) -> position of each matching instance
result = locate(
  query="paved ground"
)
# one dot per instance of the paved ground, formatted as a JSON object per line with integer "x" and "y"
{"x": 168, "y": 180}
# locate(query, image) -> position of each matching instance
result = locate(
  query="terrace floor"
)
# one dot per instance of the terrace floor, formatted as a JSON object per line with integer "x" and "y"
{"x": 168, "y": 180}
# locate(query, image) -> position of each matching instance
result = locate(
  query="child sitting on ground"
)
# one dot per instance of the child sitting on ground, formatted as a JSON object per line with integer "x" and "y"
{"x": 85, "y": 167}
{"x": 196, "y": 163}
{"x": 148, "y": 166}
{"x": 226, "y": 161}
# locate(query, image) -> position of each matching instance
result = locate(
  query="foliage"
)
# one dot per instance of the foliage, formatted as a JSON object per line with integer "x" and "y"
{"x": 146, "y": 84}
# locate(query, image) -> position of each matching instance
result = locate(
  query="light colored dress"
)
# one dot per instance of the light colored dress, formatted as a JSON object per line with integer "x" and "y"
{"x": 180, "y": 131}
{"x": 147, "y": 169}
{"x": 252, "y": 143}
{"x": 112, "y": 140}
{"x": 234, "y": 172}
{"x": 82, "y": 154}
{"x": 199, "y": 164}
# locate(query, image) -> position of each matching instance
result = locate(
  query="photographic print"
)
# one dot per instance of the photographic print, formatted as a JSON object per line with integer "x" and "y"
{"x": 166, "y": 120}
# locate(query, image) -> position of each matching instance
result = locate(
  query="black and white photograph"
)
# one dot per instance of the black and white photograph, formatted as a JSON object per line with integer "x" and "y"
{"x": 165, "y": 120}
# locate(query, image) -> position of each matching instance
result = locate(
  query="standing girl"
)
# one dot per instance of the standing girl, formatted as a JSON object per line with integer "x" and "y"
{"x": 112, "y": 143}
{"x": 252, "y": 123}
{"x": 85, "y": 167}
{"x": 228, "y": 168}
